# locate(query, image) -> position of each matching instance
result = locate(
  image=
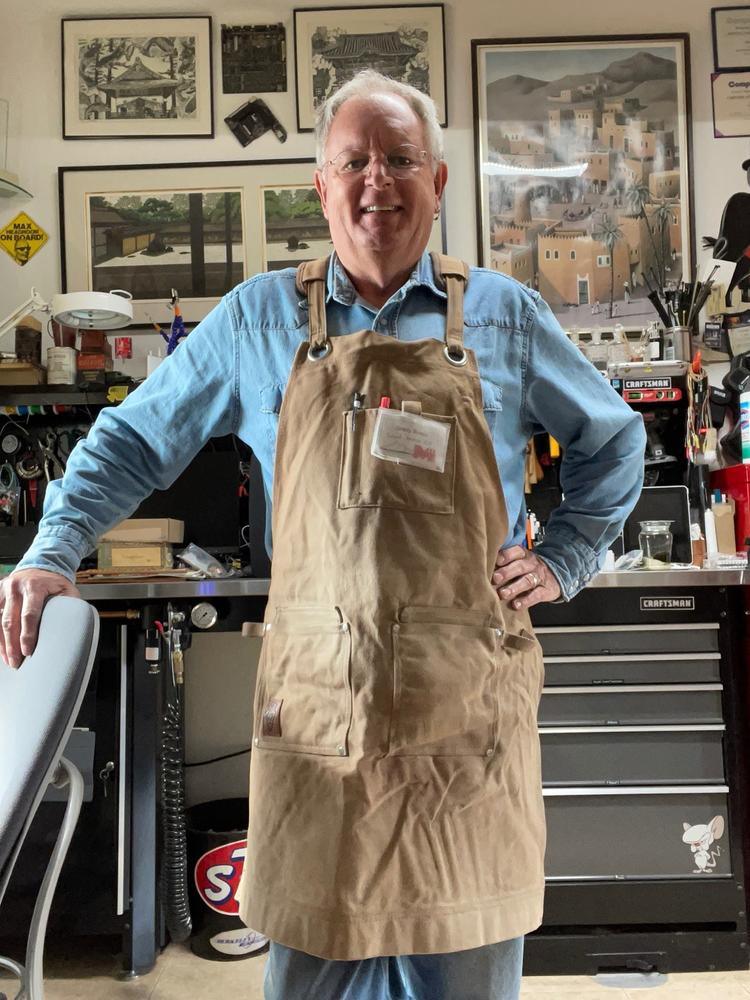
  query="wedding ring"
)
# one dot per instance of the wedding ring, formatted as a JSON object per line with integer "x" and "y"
{"x": 533, "y": 579}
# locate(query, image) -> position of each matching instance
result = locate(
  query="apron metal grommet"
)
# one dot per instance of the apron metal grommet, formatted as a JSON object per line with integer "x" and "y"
{"x": 317, "y": 354}
{"x": 341, "y": 751}
{"x": 255, "y": 741}
{"x": 455, "y": 359}
{"x": 490, "y": 751}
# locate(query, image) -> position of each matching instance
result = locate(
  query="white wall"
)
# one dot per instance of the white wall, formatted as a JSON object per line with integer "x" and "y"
{"x": 30, "y": 77}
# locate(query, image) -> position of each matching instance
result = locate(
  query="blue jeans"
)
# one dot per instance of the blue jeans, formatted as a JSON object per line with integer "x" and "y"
{"x": 492, "y": 972}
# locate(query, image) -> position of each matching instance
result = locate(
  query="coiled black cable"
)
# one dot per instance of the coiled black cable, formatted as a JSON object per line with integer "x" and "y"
{"x": 174, "y": 876}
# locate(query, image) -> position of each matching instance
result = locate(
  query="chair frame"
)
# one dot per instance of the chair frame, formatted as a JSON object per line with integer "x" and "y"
{"x": 63, "y": 774}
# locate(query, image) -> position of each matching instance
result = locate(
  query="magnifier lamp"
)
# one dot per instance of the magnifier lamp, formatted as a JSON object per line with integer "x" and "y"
{"x": 80, "y": 310}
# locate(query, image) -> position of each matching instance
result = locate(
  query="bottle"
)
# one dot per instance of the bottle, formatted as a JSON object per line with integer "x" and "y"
{"x": 745, "y": 426}
{"x": 654, "y": 341}
{"x": 618, "y": 350}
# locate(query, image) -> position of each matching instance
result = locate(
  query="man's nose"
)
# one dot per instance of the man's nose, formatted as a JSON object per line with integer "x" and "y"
{"x": 378, "y": 172}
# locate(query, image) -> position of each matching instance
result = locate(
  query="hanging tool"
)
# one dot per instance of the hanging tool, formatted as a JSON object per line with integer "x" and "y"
{"x": 53, "y": 468}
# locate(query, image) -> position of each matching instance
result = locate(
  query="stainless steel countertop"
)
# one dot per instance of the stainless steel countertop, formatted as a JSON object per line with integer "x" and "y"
{"x": 206, "y": 589}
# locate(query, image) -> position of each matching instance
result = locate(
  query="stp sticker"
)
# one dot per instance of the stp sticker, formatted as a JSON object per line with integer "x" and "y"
{"x": 240, "y": 941}
{"x": 217, "y": 876}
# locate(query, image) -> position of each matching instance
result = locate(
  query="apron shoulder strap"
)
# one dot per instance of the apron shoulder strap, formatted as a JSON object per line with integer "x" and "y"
{"x": 452, "y": 275}
{"x": 444, "y": 266}
{"x": 311, "y": 282}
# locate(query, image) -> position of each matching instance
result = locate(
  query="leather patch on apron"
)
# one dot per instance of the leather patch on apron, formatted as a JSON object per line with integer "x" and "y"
{"x": 271, "y": 721}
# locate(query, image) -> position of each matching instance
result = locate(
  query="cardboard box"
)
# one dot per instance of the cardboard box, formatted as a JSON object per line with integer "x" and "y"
{"x": 20, "y": 373}
{"x": 128, "y": 555}
{"x": 724, "y": 521}
{"x": 95, "y": 340}
{"x": 147, "y": 529}
{"x": 91, "y": 361}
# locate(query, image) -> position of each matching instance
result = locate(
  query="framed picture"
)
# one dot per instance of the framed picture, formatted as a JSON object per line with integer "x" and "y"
{"x": 137, "y": 78}
{"x": 253, "y": 58}
{"x": 583, "y": 170}
{"x": 332, "y": 44}
{"x": 730, "y": 100}
{"x": 731, "y": 37}
{"x": 200, "y": 228}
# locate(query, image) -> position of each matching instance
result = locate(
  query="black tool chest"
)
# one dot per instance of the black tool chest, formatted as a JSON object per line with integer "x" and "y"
{"x": 642, "y": 728}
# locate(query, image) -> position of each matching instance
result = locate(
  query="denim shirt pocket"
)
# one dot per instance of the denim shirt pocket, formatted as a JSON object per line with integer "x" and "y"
{"x": 271, "y": 397}
{"x": 492, "y": 402}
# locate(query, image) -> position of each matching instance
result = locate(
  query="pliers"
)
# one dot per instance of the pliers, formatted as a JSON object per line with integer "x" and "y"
{"x": 53, "y": 468}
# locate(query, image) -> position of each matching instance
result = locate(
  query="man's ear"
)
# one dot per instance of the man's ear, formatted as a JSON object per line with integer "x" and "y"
{"x": 441, "y": 179}
{"x": 320, "y": 187}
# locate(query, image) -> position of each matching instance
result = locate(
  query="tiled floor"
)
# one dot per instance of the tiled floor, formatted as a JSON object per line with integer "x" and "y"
{"x": 179, "y": 975}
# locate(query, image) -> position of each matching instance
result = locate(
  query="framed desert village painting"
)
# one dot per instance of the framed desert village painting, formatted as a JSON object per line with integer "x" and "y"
{"x": 137, "y": 78}
{"x": 200, "y": 228}
{"x": 331, "y": 44}
{"x": 583, "y": 170}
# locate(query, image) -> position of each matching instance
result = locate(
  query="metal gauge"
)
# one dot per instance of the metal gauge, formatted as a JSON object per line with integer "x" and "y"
{"x": 10, "y": 443}
{"x": 204, "y": 615}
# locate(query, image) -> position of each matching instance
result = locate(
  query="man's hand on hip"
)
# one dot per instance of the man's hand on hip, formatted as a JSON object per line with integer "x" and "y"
{"x": 523, "y": 579}
{"x": 22, "y": 597}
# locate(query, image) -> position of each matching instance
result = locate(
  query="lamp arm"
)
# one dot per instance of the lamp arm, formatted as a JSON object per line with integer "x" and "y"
{"x": 34, "y": 303}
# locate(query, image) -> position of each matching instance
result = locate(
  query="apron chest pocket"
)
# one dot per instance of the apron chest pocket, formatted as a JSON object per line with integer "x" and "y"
{"x": 445, "y": 679}
{"x": 367, "y": 481}
{"x": 304, "y": 699}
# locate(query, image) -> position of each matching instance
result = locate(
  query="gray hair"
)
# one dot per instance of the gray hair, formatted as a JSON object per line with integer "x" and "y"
{"x": 370, "y": 83}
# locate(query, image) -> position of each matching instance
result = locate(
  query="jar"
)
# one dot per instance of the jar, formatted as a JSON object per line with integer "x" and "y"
{"x": 655, "y": 542}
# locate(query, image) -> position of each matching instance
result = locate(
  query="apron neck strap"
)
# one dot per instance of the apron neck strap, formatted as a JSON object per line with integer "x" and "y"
{"x": 452, "y": 274}
{"x": 311, "y": 282}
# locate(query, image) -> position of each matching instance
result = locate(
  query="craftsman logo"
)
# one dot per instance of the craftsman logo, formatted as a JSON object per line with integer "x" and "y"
{"x": 217, "y": 876}
{"x": 648, "y": 383}
{"x": 667, "y": 604}
{"x": 21, "y": 238}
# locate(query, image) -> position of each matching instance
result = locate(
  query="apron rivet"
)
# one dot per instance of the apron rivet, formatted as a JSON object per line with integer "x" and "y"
{"x": 490, "y": 751}
{"x": 255, "y": 741}
{"x": 341, "y": 751}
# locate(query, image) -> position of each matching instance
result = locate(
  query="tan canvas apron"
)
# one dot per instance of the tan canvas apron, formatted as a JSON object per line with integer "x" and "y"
{"x": 395, "y": 793}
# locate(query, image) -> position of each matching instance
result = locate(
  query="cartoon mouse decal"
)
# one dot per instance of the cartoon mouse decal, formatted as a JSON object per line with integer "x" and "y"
{"x": 700, "y": 837}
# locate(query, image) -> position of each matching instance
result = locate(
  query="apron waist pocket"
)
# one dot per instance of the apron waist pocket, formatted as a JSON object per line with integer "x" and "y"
{"x": 303, "y": 700}
{"x": 445, "y": 683}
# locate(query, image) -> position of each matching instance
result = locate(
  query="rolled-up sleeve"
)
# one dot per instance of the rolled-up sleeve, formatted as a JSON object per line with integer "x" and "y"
{"x": 602, "y": 441}
{"x": 141, "y": 445}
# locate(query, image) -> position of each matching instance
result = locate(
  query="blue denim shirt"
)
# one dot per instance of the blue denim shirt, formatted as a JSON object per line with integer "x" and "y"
{"x": 229, "y": 376}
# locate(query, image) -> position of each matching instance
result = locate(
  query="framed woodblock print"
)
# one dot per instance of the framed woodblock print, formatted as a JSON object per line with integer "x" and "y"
{"x": 137, "y": 77}
{"x": 583, "y": 169}
{"x": 331, "y": 44}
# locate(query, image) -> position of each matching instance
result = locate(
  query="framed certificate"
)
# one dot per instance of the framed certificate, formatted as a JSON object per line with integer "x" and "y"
{"x": 730, "y": 93}
{"x": 731, "y": 32}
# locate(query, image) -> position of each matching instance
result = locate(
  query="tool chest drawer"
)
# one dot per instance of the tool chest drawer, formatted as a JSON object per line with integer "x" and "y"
{"x": 640, "y": 668}
{"x": 635, "y": 755}
{"x": 636, "y": 704}
{"x": 637, "y": 833}
{"x": 606, "y": 640}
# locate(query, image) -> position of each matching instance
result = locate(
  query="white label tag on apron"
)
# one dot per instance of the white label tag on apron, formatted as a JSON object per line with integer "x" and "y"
{"x": 410, "y": 439}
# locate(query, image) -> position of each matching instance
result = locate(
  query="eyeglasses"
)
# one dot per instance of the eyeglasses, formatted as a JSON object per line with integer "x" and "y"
{"x": 403, "y": 162}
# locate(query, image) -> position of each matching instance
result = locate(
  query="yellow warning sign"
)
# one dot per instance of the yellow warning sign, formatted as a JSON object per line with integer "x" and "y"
{"x": 22, "y": 238}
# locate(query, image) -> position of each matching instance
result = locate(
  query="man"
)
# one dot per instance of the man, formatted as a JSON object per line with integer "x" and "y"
{"x": 396, "y": 805}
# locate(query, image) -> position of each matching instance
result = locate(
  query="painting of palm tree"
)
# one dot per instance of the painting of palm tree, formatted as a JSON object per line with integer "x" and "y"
{"x": 608, "y": 233}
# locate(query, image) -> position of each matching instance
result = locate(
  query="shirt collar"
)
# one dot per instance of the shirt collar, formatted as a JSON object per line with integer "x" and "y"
{"x": 340, "y": 289}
